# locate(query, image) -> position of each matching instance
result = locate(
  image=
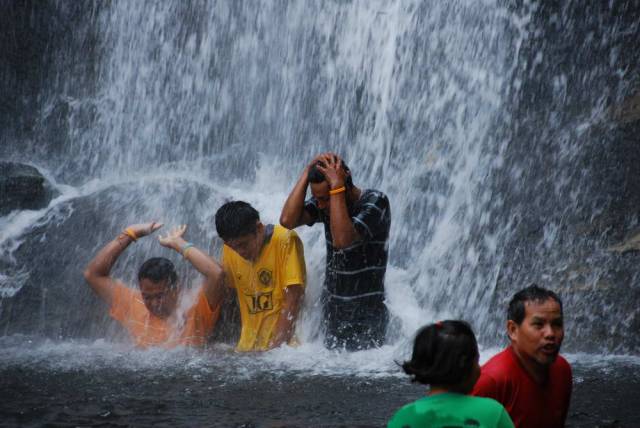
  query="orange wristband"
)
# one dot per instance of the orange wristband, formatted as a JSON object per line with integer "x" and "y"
{"x": 337, "y": 191}
{"x": 131, "y": 234}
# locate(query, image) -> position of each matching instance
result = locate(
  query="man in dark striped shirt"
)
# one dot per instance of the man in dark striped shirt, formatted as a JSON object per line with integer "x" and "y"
{"x": 356, "y": 224}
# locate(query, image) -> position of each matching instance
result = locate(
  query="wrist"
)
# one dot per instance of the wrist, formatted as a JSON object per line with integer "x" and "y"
{"x": 184, "y": 248}
{"x": 337, "y": 190}
{"x": 336, "y": 184}
{"x": 124, "y": 239}
{"x": 130, "y": 234}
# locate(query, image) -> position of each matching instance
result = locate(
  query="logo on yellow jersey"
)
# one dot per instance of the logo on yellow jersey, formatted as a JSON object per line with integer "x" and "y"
{"x": 264, "y": 276}
{"x": 259, "y": 303}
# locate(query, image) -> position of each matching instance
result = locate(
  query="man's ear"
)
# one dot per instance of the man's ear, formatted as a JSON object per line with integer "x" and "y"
{"x": 512, "y": 329}
{"x": 259, "y": 226}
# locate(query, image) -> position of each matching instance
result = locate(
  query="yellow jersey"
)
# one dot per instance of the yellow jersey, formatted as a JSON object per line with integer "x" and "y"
{"x": 260, "y": 285}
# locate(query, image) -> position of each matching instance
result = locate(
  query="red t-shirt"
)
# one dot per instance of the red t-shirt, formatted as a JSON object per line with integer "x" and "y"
{"x": 530, "y": 404}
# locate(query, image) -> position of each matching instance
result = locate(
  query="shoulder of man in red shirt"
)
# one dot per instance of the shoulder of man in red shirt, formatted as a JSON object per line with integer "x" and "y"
{"x": 495, "y": 377}
{"x": 504, "y": 380}
{"x": 503, "y": 369}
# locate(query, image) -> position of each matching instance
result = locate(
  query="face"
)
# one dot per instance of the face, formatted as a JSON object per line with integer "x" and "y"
{"x": 539, "y": 336}
{"x": 159, "y": 299}
{"x": 248, "y": 246}
{"x": 320, "y": 191}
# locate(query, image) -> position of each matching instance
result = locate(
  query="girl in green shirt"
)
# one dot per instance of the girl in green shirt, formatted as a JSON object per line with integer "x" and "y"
{"x": 445, "y": 356}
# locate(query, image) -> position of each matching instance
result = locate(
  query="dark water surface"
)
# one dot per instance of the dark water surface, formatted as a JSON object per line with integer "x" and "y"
{"x": 73, "y": 385}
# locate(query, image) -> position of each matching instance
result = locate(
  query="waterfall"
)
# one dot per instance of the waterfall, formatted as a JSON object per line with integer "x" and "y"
{"x": 488, "y": 124}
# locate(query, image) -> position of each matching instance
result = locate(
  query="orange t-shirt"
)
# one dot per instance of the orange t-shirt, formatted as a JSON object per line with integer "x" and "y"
{"x": 190, "y": 327}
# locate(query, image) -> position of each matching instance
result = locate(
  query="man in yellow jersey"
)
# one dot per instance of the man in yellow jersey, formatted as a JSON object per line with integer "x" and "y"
{"x": 265, "y": 264}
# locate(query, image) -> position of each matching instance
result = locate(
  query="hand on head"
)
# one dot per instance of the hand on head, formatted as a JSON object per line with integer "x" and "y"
{"x": 323, "y": 158}
{"x": 333, "y": 171}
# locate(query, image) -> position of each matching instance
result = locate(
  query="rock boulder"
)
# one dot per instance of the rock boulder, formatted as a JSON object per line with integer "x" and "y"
{"x": 22, "y": 187}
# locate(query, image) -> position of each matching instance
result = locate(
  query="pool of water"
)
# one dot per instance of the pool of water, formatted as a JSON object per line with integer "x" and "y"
{"x": 99, "y": 383}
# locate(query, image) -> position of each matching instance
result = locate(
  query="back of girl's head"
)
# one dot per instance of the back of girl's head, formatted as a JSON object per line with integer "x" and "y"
{"x": 444, "y": 353}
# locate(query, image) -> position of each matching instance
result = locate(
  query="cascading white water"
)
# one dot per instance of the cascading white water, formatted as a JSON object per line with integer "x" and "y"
{"x": 180, "y": 105}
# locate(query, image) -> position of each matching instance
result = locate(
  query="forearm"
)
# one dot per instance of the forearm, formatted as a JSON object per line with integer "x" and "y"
{"x": 285, "y": 326}
{"x": 103, "y": 262}
{"x": 97, "y": 272}
{"x": 294, "y": 206}
{"x": 343, "y": 232}
{"x": 207, "y": 266}
{"x": 201, "y": 261}
{"x": 284, "y": 329}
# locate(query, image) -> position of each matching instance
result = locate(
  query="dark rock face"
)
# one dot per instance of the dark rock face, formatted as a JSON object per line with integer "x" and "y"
{"x": 52, "y": 298}
{"x": 22, "y": 187}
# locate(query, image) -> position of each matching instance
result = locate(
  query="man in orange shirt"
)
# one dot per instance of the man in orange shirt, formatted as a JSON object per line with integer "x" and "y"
{"x": 160, "y": 313}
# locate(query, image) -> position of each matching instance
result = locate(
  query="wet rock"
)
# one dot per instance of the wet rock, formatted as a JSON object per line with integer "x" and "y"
{"x": 22, "y": 187}
{"x": 628, "y": 111}
{"x": 631, "y": 244}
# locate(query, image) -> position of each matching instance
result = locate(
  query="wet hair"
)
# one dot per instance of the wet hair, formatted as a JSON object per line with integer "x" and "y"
{"x": 315, "y": 176}
{"x": 444, "y": 354}
{"x": 533, "y": 293}
{"x": 159, "y": 269}
{"x": 235, "y": 219}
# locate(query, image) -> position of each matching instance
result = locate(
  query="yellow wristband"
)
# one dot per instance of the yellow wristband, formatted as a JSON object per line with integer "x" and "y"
{"x": 131, "y": 234}
{"x": 338, "y": 190}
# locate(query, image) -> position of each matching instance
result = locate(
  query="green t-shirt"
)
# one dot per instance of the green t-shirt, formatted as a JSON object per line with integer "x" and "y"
{"x": 452, "y": 411}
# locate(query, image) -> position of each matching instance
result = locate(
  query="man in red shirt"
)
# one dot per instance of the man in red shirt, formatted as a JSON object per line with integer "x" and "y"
{"x": 529, "y": 378}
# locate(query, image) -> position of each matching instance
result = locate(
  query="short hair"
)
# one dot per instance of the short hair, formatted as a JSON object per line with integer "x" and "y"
{"x": 444, "y": 353}
{"x": 235, "y": 219}
{"x": 315, "y": 176}
{"x": 159, "y": 269}
{"x": 532, "y": 293}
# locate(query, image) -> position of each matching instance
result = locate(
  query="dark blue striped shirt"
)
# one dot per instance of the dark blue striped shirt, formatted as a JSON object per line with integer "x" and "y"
{"x": 358, "y": 270}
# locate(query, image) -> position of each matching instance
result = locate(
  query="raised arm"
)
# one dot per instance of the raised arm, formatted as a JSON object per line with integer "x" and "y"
{"x": 213, "y": 273}
{"x": 293, "y": 212}
{"x": 97, "y": 273}
{"x": 342, "y": 230}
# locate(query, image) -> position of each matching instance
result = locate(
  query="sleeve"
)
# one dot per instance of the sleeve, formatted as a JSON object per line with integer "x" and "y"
{"x": 203, "y": 308}
{"x": 311, "y": 207}
{"x": 122, "y": 301}
{"x": 227, "y": 266}
{"x": 294, "y": 264}
{"x": 370, "y": 219}
{"x": 504, "y": 421}
{"x": 399, "y": 420}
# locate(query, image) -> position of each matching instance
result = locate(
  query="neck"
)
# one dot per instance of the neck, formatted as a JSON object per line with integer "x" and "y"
{"x": 537, "y": 371}
{"x": 456, "y": 389}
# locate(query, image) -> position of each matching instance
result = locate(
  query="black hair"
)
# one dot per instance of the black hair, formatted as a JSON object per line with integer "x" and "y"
{"x": 159, "y": 269}
{"x": 533, "y": 293}
{"x": 315, "y": 176}
{"x": 444, "y": 354}
{"x": 235, "y": 219}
